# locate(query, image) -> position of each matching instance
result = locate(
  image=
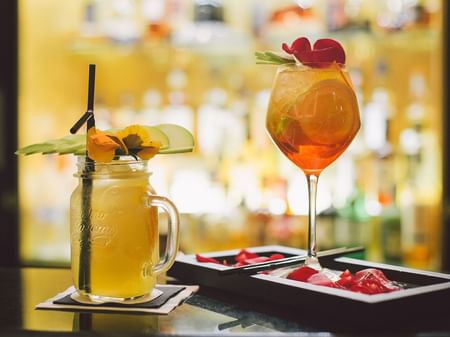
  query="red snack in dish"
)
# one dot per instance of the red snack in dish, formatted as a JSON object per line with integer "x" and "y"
{"x": 323, "y": 52}
{"x": 372, "y": 281}
{"x": 243, "y": 258}
{"x": 302, "y": 273}
{"x": 260, "y": 259}
{"x": 368, "y": 281}
{"x": 244, "y": 255}
{"x": 201, "y": 258}
{"x": 276, "y": 256}
{"x": 346, "y": 279}
{"x": 321, "y": 279}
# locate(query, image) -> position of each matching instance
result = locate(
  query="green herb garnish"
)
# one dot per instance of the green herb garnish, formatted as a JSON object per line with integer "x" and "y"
{"x": 269, "y": 57}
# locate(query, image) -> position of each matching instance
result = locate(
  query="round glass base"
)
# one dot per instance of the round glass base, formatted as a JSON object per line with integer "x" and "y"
{"x": 313, "y": 262}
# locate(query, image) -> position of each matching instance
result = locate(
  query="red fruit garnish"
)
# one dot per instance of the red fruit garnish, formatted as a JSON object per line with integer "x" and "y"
{"x": 302, "y": 273}
{"x": 201, "y": 258}
{"x": 324, "y": 52}
{"x": 333, "y": 48}
{"x": 298, "y": 48}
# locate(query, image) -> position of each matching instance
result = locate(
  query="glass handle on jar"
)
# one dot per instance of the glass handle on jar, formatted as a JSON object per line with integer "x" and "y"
{"x": 167, "y": 260}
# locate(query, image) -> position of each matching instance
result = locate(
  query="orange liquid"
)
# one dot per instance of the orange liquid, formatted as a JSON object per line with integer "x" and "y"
{"x": 313, "y": 115}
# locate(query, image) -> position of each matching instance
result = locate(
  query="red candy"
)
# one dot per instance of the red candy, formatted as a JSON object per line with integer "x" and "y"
{"x": 323, "y": 52}
{"x": 243, "y": 258}
{"x": 368, "y": 281}
{"x": 302, "y": 274}
{"x": 321, "y": 279}
{"x": 201, "y": 258}
{"x": 245, "y": 255}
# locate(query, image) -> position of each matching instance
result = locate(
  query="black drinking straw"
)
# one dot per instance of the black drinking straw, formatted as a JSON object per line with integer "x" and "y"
{"x": 84, "y": 272}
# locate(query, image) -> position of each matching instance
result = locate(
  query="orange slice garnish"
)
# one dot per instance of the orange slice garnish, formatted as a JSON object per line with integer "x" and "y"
{"x": 328, "y": 112}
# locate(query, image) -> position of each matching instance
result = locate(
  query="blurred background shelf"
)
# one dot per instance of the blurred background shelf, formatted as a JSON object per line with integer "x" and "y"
{"x": 191, "y": 63}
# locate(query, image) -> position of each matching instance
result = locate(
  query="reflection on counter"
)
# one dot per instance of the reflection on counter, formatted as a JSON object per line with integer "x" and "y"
{"x": 117, "y": 323}
{"x": 173, "y": 62}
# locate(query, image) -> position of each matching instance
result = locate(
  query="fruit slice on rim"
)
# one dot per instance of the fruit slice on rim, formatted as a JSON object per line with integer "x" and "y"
{"x": 180, "y": 139}
{"x": 328, "y": 112}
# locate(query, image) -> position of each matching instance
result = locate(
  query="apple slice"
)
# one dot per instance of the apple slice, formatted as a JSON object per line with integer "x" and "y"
{"x": 173, "y": 139}
{"x": 180, "y": 139}
{"x": 158, "y": 135}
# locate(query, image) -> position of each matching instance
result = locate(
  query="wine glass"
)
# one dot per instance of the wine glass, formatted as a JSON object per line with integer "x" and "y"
{"x": 312, "y": 117}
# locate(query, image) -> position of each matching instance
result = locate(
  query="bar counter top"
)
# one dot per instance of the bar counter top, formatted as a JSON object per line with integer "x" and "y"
{"x": 207, "y": 312}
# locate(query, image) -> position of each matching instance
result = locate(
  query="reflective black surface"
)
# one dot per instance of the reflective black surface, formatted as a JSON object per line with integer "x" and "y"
{"x": 209, "y": 312}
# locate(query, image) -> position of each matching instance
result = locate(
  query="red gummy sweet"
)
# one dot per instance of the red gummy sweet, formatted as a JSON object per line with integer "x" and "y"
{"x": 323, "y": 52}
{"x": 373, "y": 281}
{"x": 245, "y": 255}
{"x": 260, "y": 259}
{"x": 201, "y": 258}
{"x": 302, "y": 273}
{"x": 321, "y": 279}
{"x": 346, "y": 279}
{"x": 243, "y": 258}
{"x": 276, "y": 256}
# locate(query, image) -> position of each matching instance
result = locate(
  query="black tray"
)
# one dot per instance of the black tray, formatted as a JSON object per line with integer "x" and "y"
{"x": 428, "y": 293}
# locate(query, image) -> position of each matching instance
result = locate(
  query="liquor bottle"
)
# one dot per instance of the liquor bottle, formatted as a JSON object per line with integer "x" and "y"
{"x": 125, "y": 113}
{"x": 212, "y": 118}
{"x": 150, "y": 113}
{"x": 419, "y": 193}
{"x": 390, "y": 215}
{"x": 120, "y": 21}
{"x": 177, "y": 111}
{"x": 89, "y": 26}
{"x": 154, "y": 15}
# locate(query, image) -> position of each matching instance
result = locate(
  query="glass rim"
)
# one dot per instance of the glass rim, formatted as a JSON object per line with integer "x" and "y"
{"x": 307, "y": 66}
{"x": 98, "y": 170}
{"x": 119, "y": 160}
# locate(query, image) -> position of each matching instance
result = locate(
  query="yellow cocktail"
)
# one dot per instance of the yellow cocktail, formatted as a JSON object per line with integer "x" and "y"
{"x": 118, "y": 250}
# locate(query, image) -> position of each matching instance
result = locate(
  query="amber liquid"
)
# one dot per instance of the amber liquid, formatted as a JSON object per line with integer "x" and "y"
{"x": 124, "y": 243}
{"x": 313, "y": 115}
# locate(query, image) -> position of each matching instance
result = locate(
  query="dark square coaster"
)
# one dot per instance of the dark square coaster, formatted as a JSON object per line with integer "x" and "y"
{"x": 168, "y": 292}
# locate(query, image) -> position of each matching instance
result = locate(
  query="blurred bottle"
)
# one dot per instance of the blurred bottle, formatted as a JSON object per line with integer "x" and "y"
{"x": 212, "y": 120}
{"x": 150, "y": 113}
{"x": 404, "y": 15}
{"x": 419, "y": 191}
{"x": 154, "y": 14}
{"x": 89, "y": 27}
{"x": 125, "y": 113}
{"x": 390, "y": 215}
{"x": 336, "y": 15}
{"x": 375, "y": 127}
{"x": 120, "y": 20}
{"x": 177, "y": 111}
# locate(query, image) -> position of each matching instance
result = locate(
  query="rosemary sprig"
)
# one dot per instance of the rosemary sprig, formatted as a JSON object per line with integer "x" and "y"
{"x": 269, "y": 57}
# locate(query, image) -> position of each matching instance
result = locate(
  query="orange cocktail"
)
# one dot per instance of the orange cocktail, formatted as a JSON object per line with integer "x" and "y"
{"x": 313, "y": 114}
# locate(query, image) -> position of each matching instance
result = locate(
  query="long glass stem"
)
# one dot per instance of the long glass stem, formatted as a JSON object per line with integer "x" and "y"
{"x": 312, "y": 194}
